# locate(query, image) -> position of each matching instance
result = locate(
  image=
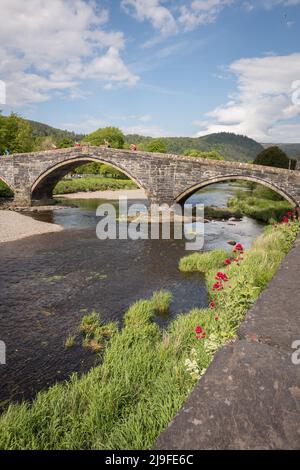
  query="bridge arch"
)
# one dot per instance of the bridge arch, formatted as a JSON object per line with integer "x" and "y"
{"x": 43, "y": 186}
{"x": 182, "y": 197}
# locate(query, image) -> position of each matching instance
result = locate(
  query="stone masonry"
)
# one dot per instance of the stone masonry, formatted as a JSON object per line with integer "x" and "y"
{"x": 165, "y": 178}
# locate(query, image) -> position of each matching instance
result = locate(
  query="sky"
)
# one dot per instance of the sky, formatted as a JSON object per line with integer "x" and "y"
{"x": 154, "y": 67}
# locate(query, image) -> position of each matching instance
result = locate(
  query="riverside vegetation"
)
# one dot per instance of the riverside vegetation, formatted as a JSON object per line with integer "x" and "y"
{"x": 146, "y": 374}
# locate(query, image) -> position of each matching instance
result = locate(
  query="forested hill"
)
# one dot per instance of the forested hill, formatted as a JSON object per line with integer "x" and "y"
{"x": 231, "y": 146}
{"x": 44, "y": 130}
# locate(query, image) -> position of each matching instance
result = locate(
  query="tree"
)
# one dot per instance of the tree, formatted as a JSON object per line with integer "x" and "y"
{"x": 113, "y": 135}
{"x": 156, "y": 146}
{"x": 15, "y": 134}
{"x": 92, "y": 168}
{"x": 273, "y": 156}
{"x": 66, "y": 142}
{"x": 213, "y": 155}
{"x": 108, "y": 170}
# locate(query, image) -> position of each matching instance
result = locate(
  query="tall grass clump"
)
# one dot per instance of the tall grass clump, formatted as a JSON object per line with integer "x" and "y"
{"x": 95, "y": 333}
{"x": 203, "y": 262}
{"x": 147, "y": 374}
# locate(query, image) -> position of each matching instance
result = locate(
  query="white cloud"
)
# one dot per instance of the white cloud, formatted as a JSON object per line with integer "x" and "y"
{"x": 163, "y": 19}
{"x": 201, "y": 12}
{"x": 137, "y": 124}
{"x": 160, "y": 17}
{"x": 262, "y": 106}
{"x": 54, "y": 46}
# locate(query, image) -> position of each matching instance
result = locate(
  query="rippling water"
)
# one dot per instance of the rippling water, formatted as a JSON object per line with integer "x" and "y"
{"x": 49, "y": 282}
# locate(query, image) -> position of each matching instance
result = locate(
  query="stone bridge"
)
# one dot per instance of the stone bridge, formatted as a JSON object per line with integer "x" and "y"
{"x": 165, "y": 178}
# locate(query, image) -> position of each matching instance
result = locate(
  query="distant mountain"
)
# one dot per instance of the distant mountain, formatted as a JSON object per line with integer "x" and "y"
{"x": 231, "y": 146}
{"x": 44, "y": 130}
{"x": 292, "y": 150}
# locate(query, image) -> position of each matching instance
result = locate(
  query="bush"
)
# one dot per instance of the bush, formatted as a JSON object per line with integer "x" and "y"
{"x": 272, "y": 156}
{"x": 156, "y": 146}
{"x": 212, "y": 155}
{"x": 113, "y": 135}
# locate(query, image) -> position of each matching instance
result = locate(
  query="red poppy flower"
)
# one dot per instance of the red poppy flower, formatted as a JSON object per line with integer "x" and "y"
{"x": 198, "y": 330}
{"x": 200, "y": 334}
{"x": 222, "y": 277}
{"x": 227, "y": 262}
{"x": 218, "y": 286}
{"x": 216, "y": 318}
{"x": 239, "y": 247}
{"x": 212, "y": 304}
{"x": 285, "y": 220}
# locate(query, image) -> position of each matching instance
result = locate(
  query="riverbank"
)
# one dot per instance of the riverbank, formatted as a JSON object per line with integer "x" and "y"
{"x": 15, "y": 226}
{"x": 110, "y": 195}
{"x": 92, "y": 183}
{"x": 147, "y": 374}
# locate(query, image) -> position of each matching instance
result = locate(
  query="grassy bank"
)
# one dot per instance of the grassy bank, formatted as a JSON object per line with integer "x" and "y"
{"x": 92, "y": 183}
{"x": 261, "y": 204}
{"x": 147, "y": 374}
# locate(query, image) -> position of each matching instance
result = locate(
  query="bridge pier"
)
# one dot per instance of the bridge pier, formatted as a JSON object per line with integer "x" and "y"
{"x": 22, "y": 198}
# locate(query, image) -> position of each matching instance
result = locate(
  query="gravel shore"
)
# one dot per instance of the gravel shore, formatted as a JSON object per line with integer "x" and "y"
{"x": 14, "y": 226}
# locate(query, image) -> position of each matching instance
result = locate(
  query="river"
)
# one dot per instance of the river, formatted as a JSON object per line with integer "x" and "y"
{"x": 48, "y": 282}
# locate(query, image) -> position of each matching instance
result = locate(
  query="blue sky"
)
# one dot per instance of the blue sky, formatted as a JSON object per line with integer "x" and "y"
{"x": 155, "y": 67}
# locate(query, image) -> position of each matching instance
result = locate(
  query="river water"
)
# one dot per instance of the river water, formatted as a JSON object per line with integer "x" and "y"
{"x": 48, "y": 282}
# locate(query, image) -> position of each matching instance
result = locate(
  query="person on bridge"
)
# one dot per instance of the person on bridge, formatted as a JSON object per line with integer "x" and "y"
{"x": 133, "y": 147}
{"x": 77, "y": 144}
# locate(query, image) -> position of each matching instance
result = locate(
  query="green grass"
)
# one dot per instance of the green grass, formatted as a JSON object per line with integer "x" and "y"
{"x": 264, "y": 210}
{"x": 95, "y": 333}
{"x": 161, "y": 302}
{"x": 203, "y": 262}
{"x": 92, "y": 183}
{"x": 70, "y": 341}
{"x": 146, "y": 374}
{"x": 222, "y": 213}
{"x": 261, "y": 204}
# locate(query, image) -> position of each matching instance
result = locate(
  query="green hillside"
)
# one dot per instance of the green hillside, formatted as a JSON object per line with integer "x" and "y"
{"x": 231, "y": 146}
{"x": 44, "y": 130}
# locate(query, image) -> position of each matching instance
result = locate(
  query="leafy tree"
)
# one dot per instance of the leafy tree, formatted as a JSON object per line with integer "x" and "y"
{"x": 107, "y": 170}
{"x": 113, "y": 135}
{"x": 15, "y": 134}
{"x": 156, "y": 146}
{"x": 92, "y": 168}
{"x": 272, "y": 156}
{"x": 66, "y": 142}
{"x": 45, "y": 143}
{"x": 212, "y": 155}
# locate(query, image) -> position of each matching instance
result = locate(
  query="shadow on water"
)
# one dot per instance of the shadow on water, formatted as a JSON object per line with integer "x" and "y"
{"x": 49, "y": 282}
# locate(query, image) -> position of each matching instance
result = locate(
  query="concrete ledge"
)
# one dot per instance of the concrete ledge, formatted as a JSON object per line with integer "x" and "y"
{"x": 275, "y": 318}
{"x": 249, "y": 397}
